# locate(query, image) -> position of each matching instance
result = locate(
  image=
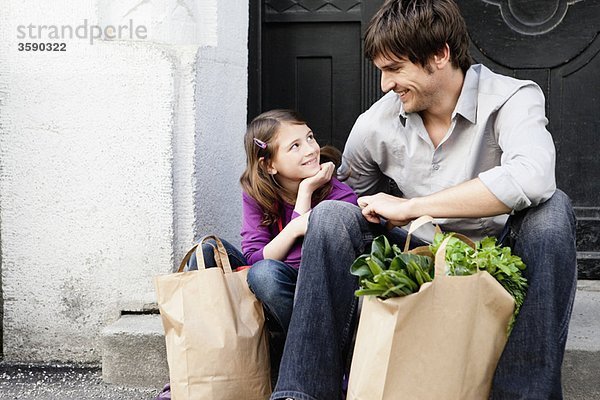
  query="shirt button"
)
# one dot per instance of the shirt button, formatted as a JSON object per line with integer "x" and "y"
{"x": 436, "y": 167}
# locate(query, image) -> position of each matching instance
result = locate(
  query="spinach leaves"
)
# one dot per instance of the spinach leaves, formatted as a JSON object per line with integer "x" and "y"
{"x": 387, "y": 272}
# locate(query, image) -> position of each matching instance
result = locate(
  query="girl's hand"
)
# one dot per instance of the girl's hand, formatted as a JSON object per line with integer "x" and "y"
{"x": 310, "y": 184}
{"x": 299, "y": 225}
{"x": 314, "y": 182}
{"x": 279, "y": 247}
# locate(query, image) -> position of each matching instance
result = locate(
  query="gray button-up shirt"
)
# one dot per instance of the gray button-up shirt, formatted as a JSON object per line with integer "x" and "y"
{"x": 498, "y": 133}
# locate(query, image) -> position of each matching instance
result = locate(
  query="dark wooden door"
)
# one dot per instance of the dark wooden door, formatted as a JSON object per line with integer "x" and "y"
{"x": 556, "y": 44}
{"x": 315, "y": 69}
{"x": 307, "y": 55}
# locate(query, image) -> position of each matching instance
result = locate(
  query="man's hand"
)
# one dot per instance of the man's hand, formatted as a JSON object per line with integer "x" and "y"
{"x": 394, "y": 209}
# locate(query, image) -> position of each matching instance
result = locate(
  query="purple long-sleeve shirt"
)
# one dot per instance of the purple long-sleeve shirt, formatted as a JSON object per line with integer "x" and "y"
{"x": 256, "y": 236}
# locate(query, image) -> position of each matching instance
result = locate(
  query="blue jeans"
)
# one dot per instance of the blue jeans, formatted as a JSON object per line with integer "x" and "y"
{"x": 324, "y": 315}
{"x": 236, "y": 258}
{"x": 544, "y": 237}
{"x": 274, "y": 283}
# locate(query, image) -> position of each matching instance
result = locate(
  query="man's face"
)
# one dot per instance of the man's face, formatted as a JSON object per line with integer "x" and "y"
{"x": 416, "y": 86}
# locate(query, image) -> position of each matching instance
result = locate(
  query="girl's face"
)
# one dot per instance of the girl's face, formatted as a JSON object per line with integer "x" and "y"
{"x": 296, "y": 156}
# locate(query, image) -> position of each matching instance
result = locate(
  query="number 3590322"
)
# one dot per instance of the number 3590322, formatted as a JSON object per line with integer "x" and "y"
{"x": 42, "y": 47}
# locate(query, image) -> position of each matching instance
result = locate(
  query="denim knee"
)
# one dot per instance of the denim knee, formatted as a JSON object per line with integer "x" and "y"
{"x": 331, "y": 221}
{"x": 268, "y": 281}
{"x": 557, "y": 210}
{"x": 236, "y": 258}
{"x": 332, "y": 210}
{"x": 553, "y": 219}
{"x": 208, "y": 251}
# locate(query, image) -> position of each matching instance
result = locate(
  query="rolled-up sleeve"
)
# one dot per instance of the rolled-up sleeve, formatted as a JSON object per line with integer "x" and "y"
{"x": 526, "y": 175}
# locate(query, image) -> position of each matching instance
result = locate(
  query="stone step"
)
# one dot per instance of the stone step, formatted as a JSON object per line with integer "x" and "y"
{"x": 581, "y": 366}
{"x": 134, "y": 353}
{"x": 588, "y": 242}
{"x": 134, "y": 349}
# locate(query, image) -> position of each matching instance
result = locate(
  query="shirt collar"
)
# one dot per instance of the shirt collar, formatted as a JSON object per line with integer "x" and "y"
{"x": 402, "y": 114}
{"x": 467, "y": 101}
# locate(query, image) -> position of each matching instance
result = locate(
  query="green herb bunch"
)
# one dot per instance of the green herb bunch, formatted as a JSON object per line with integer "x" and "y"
{"x": 387, "y": 272}
{"x": 488, "y": 256}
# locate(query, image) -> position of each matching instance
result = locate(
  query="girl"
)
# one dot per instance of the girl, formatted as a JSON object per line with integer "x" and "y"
{"x": 283, "y": 180}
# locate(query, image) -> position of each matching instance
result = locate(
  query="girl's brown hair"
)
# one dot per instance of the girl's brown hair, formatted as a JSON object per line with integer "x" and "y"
{"x": 417, "y": 30}
{"x": 259, "y": 143}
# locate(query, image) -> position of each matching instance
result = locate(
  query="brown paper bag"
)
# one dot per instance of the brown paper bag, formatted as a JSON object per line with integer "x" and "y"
{"x": 214, "y": 331}
{"x": 442, "y": 343}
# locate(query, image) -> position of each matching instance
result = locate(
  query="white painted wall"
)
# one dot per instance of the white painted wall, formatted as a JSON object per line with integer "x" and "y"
{"x": 112, "y": 158}
{"x": 221, "y": 93}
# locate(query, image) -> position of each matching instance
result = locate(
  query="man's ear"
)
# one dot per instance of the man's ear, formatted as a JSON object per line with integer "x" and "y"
{"x": 442, "y": 57}
{"x": 267, "y": 166}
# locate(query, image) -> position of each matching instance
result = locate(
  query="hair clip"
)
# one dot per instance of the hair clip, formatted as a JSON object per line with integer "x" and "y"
{"x": 260, "y": 143}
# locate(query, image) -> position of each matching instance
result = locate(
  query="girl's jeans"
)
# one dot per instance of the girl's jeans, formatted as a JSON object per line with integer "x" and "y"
{"x": 325, "y": 309}
{"x": 236, "y": 258}
{"x": 274, "y": 283}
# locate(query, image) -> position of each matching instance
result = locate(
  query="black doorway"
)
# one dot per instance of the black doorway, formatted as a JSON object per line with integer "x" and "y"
{"x": 307, "y": 55}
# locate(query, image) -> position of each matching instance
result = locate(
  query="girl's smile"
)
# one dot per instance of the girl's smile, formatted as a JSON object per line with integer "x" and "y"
{"x": 311, "y": 162}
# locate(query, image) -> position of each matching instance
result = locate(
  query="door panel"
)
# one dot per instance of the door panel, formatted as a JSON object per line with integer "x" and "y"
{"x": 307, "y": 55}
{"x": 315, "y": 69}
{"x": 314, "y": 100}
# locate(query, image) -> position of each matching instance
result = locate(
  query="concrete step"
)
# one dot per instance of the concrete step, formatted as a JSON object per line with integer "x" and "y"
{"x": 134, "y": 353}
{"x": 134, "y": 349}
{"x": 581, "y": 366}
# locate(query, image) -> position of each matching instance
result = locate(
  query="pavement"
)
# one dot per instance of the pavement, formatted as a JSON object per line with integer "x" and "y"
{"x": 62, "y": 382}
{"x": 581, "y": 367}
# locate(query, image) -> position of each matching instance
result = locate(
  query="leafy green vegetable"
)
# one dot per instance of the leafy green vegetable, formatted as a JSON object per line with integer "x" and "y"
{"x": 487, "y": 256}
{"x": 387, "y": 272}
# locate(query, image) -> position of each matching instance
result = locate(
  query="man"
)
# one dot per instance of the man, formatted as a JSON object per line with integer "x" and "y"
{"x": 466, "y": 146}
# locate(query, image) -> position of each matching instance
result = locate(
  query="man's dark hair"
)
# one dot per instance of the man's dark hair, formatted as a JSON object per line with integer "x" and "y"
{"x": 417, "y": 30}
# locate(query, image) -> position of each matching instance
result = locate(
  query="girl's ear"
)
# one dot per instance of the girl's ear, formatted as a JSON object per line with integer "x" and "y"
{"x": 267, "y": 166}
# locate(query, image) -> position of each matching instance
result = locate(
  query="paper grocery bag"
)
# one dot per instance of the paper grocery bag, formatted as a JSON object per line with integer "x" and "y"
{"x": 214, "y": 330}
{"x": 442, "y": 343}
